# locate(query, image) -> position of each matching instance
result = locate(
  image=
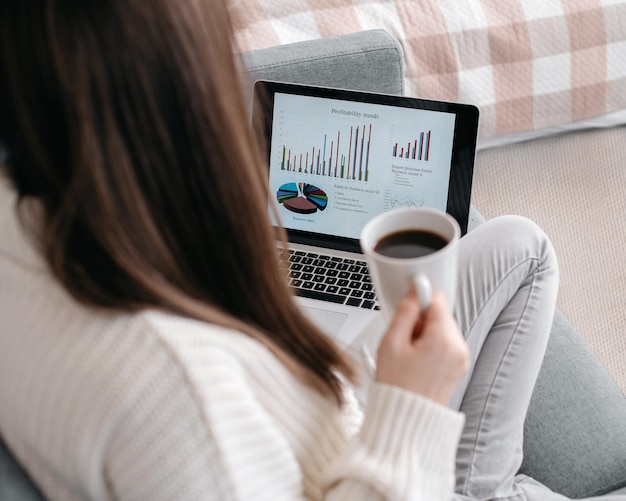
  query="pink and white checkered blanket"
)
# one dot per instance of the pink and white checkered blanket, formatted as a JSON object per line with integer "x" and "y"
{"x": 527, "y": 64}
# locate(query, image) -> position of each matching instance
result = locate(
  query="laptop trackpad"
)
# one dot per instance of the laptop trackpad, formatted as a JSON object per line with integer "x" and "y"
{"x": 330, "y": 322}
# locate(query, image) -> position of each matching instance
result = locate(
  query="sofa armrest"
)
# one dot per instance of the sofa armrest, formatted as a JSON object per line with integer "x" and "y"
{"x": 14, "y": 481}
{"x": 575, "y": 430}
{"x": 369, "y": 60}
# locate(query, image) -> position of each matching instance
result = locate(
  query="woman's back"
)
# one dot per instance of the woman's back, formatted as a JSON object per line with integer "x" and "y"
{"x": 137, "y": 404}
{"x": 134, "y": 405}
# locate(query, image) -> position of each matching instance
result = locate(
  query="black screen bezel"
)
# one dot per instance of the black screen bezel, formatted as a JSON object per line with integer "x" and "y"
{"x": 463, "y": 149}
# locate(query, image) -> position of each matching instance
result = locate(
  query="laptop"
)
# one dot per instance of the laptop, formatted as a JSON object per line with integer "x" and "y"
{"x": 339, "y": 157}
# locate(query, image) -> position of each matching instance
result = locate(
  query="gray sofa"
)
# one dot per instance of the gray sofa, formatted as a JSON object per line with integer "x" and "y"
{"x": 575, "y": 434}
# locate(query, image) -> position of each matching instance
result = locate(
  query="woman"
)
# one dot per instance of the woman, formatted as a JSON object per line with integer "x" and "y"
{"x": 147, "y": 349}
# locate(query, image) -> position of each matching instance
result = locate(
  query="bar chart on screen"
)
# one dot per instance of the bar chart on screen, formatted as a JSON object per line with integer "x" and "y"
{"x": 341, "y": 152}
{"x": 410, "y": 143}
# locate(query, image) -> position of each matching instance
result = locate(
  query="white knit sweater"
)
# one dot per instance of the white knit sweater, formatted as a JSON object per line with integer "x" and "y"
{"x": 101, "y": 405}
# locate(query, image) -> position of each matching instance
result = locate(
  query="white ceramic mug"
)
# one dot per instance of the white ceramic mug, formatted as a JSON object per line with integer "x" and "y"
{"x": 392, "y": 276}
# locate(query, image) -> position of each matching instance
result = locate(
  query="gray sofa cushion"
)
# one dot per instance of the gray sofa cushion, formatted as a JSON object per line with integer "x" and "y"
{"x": 575, "y": 431}
{"x": 369, "y": 60}
{"x": 15, "y": 485}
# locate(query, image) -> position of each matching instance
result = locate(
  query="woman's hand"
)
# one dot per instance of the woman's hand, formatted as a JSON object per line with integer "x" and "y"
{"x": 425, "y": 354}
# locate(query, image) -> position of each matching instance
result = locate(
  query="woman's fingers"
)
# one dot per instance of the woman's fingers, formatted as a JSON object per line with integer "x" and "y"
{"x": 426, "y": 353}
{"x": 401, "y": 329}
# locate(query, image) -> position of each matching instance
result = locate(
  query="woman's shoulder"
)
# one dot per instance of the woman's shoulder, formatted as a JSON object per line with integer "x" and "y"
{"x": 194, "y": 341}
{"x": 209, "y": 353}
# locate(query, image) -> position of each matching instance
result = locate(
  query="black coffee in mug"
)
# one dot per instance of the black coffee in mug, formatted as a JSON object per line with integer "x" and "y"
{"x": 410, "y": 243}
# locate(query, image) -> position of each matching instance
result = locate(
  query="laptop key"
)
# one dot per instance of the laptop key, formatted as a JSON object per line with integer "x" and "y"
{"x": 308, "y": 285}
{"x": 324, "y": 296}
{"x": 320, "y": 287}
{"x": 354, "y": 301}
{"x": 367, "y": 304}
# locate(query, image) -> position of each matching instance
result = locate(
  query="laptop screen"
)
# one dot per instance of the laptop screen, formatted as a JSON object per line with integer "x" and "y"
{"x": 339, "y": 158}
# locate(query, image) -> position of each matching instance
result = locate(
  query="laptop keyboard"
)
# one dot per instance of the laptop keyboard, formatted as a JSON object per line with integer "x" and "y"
{"x": 329, "y": 278}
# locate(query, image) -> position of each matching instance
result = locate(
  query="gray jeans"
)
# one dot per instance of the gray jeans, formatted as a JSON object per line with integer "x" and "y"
{"x": 507, "y": 293}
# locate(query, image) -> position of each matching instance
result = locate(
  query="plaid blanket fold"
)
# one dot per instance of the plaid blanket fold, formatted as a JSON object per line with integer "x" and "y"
{"x": 528, "y": 64}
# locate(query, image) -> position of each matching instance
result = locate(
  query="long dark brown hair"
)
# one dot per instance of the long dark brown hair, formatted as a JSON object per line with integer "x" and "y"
{"x": 124, "y": 118}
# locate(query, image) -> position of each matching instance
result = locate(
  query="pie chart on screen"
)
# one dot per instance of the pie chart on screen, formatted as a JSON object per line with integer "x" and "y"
{"x": 302, "y": 198}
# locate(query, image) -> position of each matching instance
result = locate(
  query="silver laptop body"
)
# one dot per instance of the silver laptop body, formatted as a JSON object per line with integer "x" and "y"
{"x": 336, "y": 159}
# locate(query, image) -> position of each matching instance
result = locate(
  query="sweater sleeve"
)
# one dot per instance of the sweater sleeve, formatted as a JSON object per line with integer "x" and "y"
{"x": 405, "y": 450}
